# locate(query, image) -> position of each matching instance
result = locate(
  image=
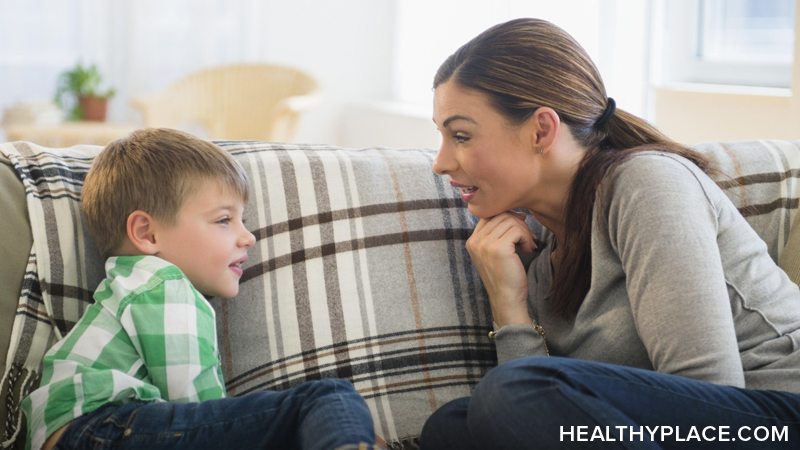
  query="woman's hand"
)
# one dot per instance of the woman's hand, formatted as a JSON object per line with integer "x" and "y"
{"x": 492, "y": 248}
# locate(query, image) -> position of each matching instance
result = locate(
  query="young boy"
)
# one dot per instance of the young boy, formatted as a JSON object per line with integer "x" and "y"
{"x": 141, "y": 369}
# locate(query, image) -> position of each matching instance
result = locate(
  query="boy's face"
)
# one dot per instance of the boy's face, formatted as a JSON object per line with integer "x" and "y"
{"x": 208, "y": 242}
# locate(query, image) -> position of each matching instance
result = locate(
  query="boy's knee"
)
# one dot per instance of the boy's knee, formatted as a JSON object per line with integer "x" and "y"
{"x": 327, "y": 386}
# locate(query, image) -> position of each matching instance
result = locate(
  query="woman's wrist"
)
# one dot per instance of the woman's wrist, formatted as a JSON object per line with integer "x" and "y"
{"x": 516, "y": 317}
{"x": 516, "y": 329}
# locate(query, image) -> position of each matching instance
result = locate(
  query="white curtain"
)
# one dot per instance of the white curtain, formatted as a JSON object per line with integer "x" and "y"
{"x": 139, "y": 46}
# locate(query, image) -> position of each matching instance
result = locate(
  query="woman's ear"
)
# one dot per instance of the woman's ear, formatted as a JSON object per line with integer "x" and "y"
{"x": 141, "y": 232}
{"x": 545, "y": 123}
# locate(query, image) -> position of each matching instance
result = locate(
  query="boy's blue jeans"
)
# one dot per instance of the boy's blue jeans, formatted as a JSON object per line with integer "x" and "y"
{"x": 540, "y": 403}
{"x": 319, "y": 415}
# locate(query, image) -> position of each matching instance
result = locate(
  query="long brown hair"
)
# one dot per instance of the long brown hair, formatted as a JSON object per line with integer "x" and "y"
{"x": 527, "y": 63}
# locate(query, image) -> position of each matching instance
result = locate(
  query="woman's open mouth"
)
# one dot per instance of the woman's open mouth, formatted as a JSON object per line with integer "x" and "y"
{"x": 467, "y": 192}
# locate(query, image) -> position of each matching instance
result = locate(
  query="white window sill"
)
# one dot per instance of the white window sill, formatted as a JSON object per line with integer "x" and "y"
{"x": 728, "y": 89}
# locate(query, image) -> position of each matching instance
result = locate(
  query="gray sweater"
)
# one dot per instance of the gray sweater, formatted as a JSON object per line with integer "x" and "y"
{"x": 681, "y": 284}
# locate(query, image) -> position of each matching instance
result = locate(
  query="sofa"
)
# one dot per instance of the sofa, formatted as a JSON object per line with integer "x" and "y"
{"x": 359, "y": 270}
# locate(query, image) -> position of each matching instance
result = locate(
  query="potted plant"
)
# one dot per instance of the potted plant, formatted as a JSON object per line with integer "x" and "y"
{"x": 78, "y": 93}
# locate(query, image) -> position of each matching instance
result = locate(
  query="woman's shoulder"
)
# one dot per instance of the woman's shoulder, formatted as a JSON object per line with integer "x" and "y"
{"x": 656, "y": 182}
{"x": 650, "y": 161}
{"x": 652, "y": 169}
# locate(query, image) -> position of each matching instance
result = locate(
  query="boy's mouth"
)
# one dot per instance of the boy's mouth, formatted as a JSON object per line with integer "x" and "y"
{"x": 236, "y": 266}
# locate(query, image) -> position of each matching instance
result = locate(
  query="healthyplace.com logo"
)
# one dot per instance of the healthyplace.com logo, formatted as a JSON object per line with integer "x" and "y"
{"x": 677, "y": 434}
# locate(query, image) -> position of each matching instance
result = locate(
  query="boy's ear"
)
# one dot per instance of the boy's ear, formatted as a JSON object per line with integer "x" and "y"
{"x": 141, "y": 232}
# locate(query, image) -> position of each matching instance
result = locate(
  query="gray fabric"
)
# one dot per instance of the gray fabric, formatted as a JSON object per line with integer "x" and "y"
{"x": 15, "y": 246}
{"x": 790, "y": 258}
{"x": 681, "y": 284}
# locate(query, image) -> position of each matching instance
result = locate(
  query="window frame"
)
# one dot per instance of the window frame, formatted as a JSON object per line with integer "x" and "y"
{"x": 683, "y": 63}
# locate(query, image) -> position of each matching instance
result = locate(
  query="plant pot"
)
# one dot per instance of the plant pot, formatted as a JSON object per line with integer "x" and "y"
{"x": 93, "y": 108}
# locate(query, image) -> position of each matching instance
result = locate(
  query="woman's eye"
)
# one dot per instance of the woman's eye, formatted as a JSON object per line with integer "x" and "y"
{"x": 460, "y": 138}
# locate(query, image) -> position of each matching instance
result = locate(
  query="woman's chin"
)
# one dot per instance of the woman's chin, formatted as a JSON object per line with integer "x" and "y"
{"x": 482, "y": 213}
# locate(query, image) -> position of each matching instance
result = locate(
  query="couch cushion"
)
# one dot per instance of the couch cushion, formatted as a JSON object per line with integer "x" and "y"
{"x": 15, "y": 245}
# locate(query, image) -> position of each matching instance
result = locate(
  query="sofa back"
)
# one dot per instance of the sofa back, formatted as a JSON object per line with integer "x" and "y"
{"x": 359, "y": 270}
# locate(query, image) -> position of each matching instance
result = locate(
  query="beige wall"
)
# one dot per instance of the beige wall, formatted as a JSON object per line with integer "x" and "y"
{"x": 692, "y": 113}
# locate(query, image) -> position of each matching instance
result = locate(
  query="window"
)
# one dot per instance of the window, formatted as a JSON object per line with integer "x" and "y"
{"x": 738, "y": 42}
{"x": 747, "y": 31}
{"x": 613, "y": 33}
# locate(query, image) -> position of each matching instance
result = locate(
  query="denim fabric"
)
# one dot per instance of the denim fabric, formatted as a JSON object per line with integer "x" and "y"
{"x": 317, "y": 415}
{"x": 539, "y": 403}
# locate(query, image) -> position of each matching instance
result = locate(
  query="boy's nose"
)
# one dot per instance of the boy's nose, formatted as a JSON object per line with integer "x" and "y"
{"x": 247, "y": 239}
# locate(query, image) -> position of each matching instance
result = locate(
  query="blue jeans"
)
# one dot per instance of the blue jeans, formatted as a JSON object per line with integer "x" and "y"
{"x": 320, "y": 415}
{"x": 557, "y": 403}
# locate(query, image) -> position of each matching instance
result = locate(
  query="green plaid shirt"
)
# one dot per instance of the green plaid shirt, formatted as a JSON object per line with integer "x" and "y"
{"x": 150, "y": 336}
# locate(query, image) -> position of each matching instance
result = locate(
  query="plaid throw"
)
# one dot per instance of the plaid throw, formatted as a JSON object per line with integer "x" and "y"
{"x": 359, "y": 270}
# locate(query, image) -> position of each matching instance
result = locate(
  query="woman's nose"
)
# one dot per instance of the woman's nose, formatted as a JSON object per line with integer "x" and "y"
{"x": 444, "y": 162}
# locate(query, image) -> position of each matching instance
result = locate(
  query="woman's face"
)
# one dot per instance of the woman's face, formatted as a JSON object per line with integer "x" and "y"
{"x": 493, "y": 163}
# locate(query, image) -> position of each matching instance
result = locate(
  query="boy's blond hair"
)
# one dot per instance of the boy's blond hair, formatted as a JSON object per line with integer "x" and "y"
{"x": 153, "y": 170}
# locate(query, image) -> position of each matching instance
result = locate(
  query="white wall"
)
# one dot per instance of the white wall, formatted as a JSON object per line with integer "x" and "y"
{"x": 344, "y": 44}
{"x": 142, "y": 46}
{"x": 363, "y": 52}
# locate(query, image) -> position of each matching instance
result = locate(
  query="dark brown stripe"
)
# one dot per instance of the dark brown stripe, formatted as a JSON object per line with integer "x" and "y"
{"x": 352, "y": 213}
{"x": 61, "y": 290}
{"x": 32, "y": 310}
{"x": 302, "y": 255}
{"x": 765, "y": 208}
{"x": 346, "y": 349}
{"x": 758, "y": 178}
{"x": 427, "y": 381}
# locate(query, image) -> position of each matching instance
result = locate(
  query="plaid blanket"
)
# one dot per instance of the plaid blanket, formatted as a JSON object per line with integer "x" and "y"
{"x": 64, "y": 266}
{"x": 359, "y": 270}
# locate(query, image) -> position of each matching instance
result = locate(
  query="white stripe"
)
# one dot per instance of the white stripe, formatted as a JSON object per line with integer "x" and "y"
{"x": 355, "y": 202}
{"x": 312, "y": 237}
{"x": 261, "y": 211}
{"x": 345, "y": 262}
{"x": 287, "y": 313}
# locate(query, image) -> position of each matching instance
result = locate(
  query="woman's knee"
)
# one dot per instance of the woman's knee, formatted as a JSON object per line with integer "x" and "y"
{"x": 511, "y": 387}
{"x": 506, "y": 380}
{"x": 447, "y": 427}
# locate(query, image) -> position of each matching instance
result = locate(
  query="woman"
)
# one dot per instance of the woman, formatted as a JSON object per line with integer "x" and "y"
{"x": 667, "y": 323}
